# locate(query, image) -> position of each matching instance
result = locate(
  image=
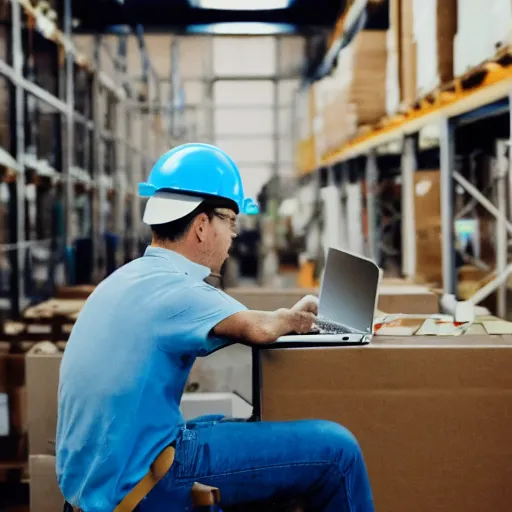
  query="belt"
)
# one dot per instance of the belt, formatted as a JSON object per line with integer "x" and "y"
{"x": 156, "y": 472}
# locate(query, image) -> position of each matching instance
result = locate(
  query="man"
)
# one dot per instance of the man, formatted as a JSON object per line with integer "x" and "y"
{"x": 132, "y": 348}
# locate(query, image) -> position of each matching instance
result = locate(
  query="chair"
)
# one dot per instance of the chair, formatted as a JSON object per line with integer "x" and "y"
{"x": 205, "y": 498}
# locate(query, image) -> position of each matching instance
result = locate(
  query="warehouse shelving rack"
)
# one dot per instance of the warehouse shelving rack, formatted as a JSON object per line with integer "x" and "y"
{"x": 96, "y": 155}
{"x": 481, "y": 93}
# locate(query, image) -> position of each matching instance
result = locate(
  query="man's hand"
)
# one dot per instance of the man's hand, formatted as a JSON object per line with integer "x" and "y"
{"x": 266, "y": 326}
{"x": 300, "y": 322}
{"x": 308, "y": 304}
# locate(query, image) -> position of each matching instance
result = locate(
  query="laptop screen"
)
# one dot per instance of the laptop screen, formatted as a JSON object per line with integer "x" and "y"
{"x": 348, "y": 294}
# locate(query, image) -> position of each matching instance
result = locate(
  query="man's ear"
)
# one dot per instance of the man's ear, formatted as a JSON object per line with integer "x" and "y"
{"x": 200, "y": 225}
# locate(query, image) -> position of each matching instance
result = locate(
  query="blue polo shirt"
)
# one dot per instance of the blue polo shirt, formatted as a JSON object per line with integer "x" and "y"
{"x": 124, "y": 371}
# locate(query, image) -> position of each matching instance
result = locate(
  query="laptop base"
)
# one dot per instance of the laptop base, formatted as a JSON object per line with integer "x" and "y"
{"x": 325, "y": 339}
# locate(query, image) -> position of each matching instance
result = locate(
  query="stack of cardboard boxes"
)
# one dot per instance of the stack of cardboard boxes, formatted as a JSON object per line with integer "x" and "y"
{"x": 42, "y": 372}
{"x": 420, "y": 49}
{"x": 395, "y": 296}
{"x": 42, "y": 387}
{"x": 431, "y": 413}
{"x": 357, "y": 96}
{"x": 428, "y": 43}
{"x": 28, "y": 384}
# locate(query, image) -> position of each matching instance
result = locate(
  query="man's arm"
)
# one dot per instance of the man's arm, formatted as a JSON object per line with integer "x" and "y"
{"x": 265, "y": 327}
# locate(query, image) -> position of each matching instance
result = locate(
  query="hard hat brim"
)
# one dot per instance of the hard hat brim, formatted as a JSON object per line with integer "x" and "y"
{"x": 166, "y": 207}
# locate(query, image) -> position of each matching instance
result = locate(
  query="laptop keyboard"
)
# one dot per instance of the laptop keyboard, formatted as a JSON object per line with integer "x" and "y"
{"x": 328, "y": 327}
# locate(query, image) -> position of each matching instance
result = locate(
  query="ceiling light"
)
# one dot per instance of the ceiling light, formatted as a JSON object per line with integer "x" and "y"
{"x": 241, "y": 5}
{"x": 242, "y": 28}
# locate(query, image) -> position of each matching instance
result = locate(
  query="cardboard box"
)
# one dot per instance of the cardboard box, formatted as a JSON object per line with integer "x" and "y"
{"x": 356, "y": 91}
{"x": 226, "y": 370}
{"x": 429, "y": 260}
{"x": 45, "y": 495}
{"x": 269, "y": 299}
{"x": 81, "y": 291}
{"x": 42, "y": 395}
{"x": 427, "y": 198}
{"x": 432, "y": 415}
{"x": 407, "y": 299}
{"x": 42, "y": 374}
{"x": 194, "y": 405}
{"x": 427, "y": 213}
{"x": 410, "y": 299}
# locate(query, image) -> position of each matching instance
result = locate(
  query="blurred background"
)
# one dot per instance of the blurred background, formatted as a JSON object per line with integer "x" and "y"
{"x": 346, "y": 119}
{"x": 378, "y": 126}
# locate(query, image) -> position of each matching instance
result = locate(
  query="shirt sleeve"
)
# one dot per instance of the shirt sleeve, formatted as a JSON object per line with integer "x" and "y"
{"x": 203, "y": 307}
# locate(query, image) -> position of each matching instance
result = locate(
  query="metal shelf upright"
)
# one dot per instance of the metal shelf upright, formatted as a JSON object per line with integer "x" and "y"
{"x": 447, "y": 160}
{"x": 18, "y": 268}
{"x": 408, "y": 168}
{"x": 100, "y": 159}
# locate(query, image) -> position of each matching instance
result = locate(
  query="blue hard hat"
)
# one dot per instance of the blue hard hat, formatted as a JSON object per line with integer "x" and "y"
{"x": 199, "y": 169}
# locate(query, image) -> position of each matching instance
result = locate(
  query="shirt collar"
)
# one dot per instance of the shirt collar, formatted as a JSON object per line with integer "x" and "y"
{"x": 179, "y": 262}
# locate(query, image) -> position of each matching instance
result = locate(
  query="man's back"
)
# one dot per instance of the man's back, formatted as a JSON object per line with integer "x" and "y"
{"x": 131, "y": 350}
{"x": 123, "y": 374}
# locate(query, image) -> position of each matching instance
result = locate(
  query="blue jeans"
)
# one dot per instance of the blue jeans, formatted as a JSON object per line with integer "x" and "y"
{"x": 317, "y": 461}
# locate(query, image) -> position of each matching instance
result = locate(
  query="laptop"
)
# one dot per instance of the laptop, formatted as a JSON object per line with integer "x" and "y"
{"x": 347, "y": 302}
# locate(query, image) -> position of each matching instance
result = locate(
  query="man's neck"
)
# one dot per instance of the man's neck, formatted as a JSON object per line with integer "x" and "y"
{"x": 181, "y": 249}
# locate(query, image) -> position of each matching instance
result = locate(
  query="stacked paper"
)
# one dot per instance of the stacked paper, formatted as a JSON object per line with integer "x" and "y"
{"x": 438, "y": 325}
{"x": 419, "y": 325}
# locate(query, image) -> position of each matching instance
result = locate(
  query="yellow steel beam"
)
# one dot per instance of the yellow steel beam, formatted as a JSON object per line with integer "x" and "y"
{"x": 495, "y": 86}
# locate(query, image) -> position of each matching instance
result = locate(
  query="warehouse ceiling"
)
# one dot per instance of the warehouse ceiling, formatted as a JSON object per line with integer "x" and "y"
{"x": 297, "y": 16}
